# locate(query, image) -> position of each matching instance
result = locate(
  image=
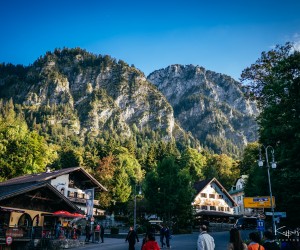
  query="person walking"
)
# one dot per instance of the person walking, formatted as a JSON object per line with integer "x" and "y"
{"x": 255, "y": 242}
{"x": 102, "y": 233}
{"x": 150, "y": 243}
{"x": 162, "y": 235}
{"x": 87, "y": 232}
{"x": 167, "y": 236}
{"x": 97, "y": 233}
{"x": 131, "y": 237}
{"x": 205, "y": 241}
{"x": 235, "y": 240}
{"x": 270, "y": 243}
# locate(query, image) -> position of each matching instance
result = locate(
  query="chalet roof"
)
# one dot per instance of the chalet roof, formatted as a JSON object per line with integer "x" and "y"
{"x": 41, "y": 192}
{"x": 48, "y": 176}
{"x": 200, "y": 185}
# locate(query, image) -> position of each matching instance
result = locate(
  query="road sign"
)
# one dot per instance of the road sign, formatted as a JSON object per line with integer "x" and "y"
{"x": 260, "y": 225}
{"x": 259, "y": 202}
{"x": 277, "y": 214}
{"x": 9, "y": 240}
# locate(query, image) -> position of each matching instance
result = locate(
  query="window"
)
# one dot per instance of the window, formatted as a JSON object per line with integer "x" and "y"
{"x": 213, "y": 208}
{"x": 203, "y": 195}
{"x": 227, "y": 209}
{"x": 221, "y": 209}
{"x": 212, "y": 196}
{"x": 204, "y": 207}
{"x": 220, "y": 196}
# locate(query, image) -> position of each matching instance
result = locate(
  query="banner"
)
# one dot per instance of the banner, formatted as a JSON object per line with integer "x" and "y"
{"x": 89, "y": 202}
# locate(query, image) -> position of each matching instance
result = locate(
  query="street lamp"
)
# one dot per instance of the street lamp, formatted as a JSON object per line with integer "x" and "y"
{"x": 134, "y": 211}
{"x": 273, "y": 164}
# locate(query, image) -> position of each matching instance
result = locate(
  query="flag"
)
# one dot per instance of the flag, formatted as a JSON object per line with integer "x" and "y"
{"x": 89, "y": 202}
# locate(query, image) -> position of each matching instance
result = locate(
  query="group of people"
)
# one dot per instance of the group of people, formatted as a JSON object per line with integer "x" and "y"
{"x": 149, "y": 242}
{"x": 165, "y": 234}
{"x": 70, "y": 231}
{"x": 98, "y": 233}
{"x": 206, "y": 241}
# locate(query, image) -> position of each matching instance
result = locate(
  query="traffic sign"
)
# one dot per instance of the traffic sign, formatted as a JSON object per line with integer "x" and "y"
{"x": 9, "y": 240}
{"x": 277, "y": 214}
{"x": 259, "y": 202}
{"x": 260, "y": 225}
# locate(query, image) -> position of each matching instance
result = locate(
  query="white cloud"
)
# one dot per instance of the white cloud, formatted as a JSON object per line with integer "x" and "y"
{"x": 296, "y": 41}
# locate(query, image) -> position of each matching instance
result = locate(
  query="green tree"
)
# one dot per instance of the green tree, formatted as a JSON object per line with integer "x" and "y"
{"x": 249, "y": 158}
{"x": 194, "y": 161}
{"x": 222, "y": 167}
{"x": 22, "y": 151}
{"x": 274, "y": 80}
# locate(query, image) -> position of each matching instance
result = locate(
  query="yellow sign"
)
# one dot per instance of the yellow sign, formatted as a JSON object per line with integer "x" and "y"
{"x": 259, "y": 202}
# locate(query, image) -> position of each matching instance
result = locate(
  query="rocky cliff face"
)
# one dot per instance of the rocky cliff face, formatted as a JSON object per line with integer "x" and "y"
{"x": 212, "y": 106}
{"x": 91, "y": 94}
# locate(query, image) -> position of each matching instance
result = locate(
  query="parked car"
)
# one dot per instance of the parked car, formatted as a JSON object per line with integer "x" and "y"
{"x": 246, "y": 223}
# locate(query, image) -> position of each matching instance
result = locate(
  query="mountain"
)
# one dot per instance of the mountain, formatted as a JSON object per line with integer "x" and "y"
{"x": 78, "y": 93}
{"x": 212, "y": 106}
{"x": 89, "y": 95}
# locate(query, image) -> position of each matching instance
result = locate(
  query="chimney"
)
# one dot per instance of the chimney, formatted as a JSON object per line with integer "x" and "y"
{"x": 48, "y": 170}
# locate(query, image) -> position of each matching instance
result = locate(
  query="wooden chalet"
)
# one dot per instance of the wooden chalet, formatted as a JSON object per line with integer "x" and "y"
{"x": 212, "y": 202}
{"x": 31, "y": 205}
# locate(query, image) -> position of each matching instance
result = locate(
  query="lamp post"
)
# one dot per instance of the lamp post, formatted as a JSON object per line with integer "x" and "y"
{"x": 273, "y": 164}
{"x": 134, "y": 211}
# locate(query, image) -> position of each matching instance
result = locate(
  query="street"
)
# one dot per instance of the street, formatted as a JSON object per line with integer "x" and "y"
{"x": 180, "y": 242}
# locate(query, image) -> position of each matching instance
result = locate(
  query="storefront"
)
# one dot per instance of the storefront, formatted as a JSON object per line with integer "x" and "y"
{"x": 28, "y": 212}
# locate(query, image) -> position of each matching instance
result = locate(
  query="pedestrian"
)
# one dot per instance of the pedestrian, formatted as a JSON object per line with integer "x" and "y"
{"x": 131, "y": 237}
{"x": 167, "y": 236}
{"x": 97, "y": 233}
{"x": 205, "y": 241}
{"x": 255, "y": 242}
{"x": 235, "y": 240}
{"x": 162, "y": 235}
{"x": 57, "y": 229}
{"x": 68, "y": 230}
{"x": 87, "y": 232}
{"x": 102, "y": 233}
{"x": 270, "y": 243}
{"x": 150, "y": 244}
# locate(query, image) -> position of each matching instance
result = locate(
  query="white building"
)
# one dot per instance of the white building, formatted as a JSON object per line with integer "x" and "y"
{"x": 212, "y": 200}
{"x": 237, "y": 193}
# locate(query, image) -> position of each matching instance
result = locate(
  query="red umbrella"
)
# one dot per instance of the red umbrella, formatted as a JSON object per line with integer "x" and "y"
{"x": 62, "y": 213}
{"x": 78, "y": 215}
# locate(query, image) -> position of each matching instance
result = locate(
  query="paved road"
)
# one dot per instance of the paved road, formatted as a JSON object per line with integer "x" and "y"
{"x": 180, "y": 242}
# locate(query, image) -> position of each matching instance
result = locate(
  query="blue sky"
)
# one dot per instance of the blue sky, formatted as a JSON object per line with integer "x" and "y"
{"x": 224, "y": 36}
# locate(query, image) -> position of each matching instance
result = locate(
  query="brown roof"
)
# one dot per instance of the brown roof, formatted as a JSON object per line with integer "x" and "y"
{"x": 52, "y": 199}
{"x": 47, "y": 176}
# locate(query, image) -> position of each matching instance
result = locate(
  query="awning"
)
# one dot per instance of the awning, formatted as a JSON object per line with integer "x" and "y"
{"x": 9, "y": 209}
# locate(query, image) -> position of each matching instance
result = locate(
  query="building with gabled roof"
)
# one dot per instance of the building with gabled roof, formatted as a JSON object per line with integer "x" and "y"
{"x": 41, "y": 200}
{"x": 70, "y": 182}
{"x": 212, "y": 201}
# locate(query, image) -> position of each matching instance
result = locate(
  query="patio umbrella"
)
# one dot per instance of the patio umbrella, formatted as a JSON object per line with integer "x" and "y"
{"x": 78, "y": 215}
{"x": 62, "y": 213}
